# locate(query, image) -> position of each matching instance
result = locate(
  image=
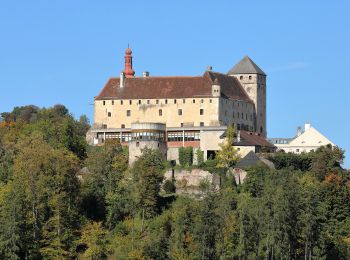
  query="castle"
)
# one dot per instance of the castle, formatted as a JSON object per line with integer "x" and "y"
{"x": 178, "y": 111}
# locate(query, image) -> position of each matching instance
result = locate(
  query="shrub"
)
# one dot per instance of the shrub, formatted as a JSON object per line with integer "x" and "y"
{"x": 200, "y": 157}
{"x": 169, "y": 186}
{"x": 186, "y": 156}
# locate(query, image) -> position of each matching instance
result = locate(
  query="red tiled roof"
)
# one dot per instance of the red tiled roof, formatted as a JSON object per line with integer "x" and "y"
{"x": 173, "y": 87}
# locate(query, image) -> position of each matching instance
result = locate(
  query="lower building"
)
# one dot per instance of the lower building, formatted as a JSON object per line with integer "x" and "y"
{"x": 306, "y": 140}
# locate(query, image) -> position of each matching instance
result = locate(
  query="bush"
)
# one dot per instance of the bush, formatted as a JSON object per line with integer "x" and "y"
{"x": 200, "y": 157}
{"x": 169, "y": 186}
{"x": 186, "y": 156}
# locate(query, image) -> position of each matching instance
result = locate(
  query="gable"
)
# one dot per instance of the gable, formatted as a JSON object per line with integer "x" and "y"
{"x": 310, "y": 137}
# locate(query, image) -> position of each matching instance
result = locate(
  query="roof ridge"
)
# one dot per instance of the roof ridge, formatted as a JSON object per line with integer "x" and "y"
{"x": 246, "y": 66}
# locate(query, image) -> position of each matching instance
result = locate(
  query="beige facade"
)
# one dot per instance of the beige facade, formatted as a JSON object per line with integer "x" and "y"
{"x": 308, "y": 140}
{"x": 213, "y": 111}
{"x": 255, "y": 87}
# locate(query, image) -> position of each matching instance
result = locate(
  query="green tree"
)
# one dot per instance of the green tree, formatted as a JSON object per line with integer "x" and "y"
{"x": 228, "y": 155}
{"x": 94, "y": 238}
{"x": 148, "y": 173}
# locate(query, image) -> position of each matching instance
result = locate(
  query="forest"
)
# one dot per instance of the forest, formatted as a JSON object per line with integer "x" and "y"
{"x": 63, "y": 199}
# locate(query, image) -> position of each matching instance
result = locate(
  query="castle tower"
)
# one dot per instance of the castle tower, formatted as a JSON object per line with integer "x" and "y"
{"x": 253, "y": 80}
{"x": 128, "y": 71}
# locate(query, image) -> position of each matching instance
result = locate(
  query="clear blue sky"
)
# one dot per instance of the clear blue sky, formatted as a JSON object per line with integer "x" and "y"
{"x": 64, "y": 52}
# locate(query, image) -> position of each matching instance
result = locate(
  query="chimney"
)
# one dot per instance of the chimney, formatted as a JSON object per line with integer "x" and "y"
{"x": 299, "y": 131}
{"x": 122, "y": 80}
{"x": 209, "y": 68}
{"x": 307, "y": 126}
{"x": 145, "y": 74}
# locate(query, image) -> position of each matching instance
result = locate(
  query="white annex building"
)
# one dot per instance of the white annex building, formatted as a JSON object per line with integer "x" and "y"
{"x": 305, "y": 141}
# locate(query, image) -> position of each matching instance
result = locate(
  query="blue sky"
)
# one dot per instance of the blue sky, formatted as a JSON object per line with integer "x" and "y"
{"x": 64, "y": 51}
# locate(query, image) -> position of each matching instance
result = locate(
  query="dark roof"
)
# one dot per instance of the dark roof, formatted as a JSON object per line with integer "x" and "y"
{"x": 246, "y": 66}
{"x": 251, "y": 159}
{"x": 253, "y": 139}
{"x": 248, "y": 138}
{"x": 173, "y": 87}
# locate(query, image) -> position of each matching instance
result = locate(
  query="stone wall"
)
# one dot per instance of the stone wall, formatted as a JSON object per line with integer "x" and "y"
{"x": 192, "y": 178}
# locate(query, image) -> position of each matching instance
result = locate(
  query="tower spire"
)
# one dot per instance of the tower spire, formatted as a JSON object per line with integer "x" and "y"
{"x": 128, "y": 71}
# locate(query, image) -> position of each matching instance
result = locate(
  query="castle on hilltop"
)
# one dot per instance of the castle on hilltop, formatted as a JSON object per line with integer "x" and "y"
{"x": 179, "y": 111}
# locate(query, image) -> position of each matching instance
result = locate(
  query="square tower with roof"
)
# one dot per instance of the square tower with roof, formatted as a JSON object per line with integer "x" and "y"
{"x": 253, "y": 80}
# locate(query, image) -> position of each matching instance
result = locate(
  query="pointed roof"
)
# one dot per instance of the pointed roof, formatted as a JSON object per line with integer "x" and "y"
{"x": 252, "y": 159}
{"x": 310, "y": 138}
{"x": 246, "y": 66}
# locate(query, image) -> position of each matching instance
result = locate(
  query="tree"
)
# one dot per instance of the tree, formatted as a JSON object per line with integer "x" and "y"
{"x": 147, "y": 176}
{"x": 94, "y": 238}
{"x": 228, "y": 155}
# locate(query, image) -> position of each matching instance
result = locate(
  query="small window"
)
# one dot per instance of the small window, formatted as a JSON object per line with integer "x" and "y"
{"x": 182, "y": 124}
{"x": 201, "y": 124}
{"x": 160, "y": 112}
{"x": 202, "y": 100}
{"x": 157, "y": 101}
{"x": 166, "y": 101}
{"x": 193, "y": 101}
{"x": 233, "y": 114}
{"x": 179, "y": 112}
{"x": 121, "y": 102}
{"x": 130, "y": 102}
{"x": 112, "y": 102}
{"x": 246, "y": 116}
{"x": 241, "y": 77}
{"x": 139, "y": 102}
{"x": 148, "y": 102}
{"x": 210, "y": 101}
{"x": 104, "y": 102}
{"x": 201, "y": 112}
{"x": 128, "y": 112}
{"x": 122, "y": 126}
{"x": 242, "y": 115}
{"x": 137, "y": 144}
{"x": 184, "y": 101}
{"x": 109, "y": 114}
{"x": 174, "y": 101}
{"x": 250, "y": 77}
{"x": 297, "y": 150}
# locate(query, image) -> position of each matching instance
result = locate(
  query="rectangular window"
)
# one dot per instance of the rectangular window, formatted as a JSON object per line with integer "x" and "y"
{"x": 121, "y": 102}
{"x": 210, "y": 100}
{"x": 122, "y": 126}
{"x": 160, "y": 112}
{"x": 193, "y": 101}
{"x": 174, "y": 101}
{"x": 104, "y": 102}
{"x": 157, "y": 101}
{"x": 202, "y": 100}
{"x": 112, "y": 102}
{"x": 147, "y": 101}
{"x": 128, "y": 112}
{"x": 139, "y": 102}
{"x": 109, "y": 114}
{"x": 130, "y": 102}
{"x": 166, "y": 101}
{"x": 184, "y": 101}
{"x": 201, "y": 124}
{"x": 201, "y": 112}
{"x": 182, "y": 124}
{"x": 179, "y": 112}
